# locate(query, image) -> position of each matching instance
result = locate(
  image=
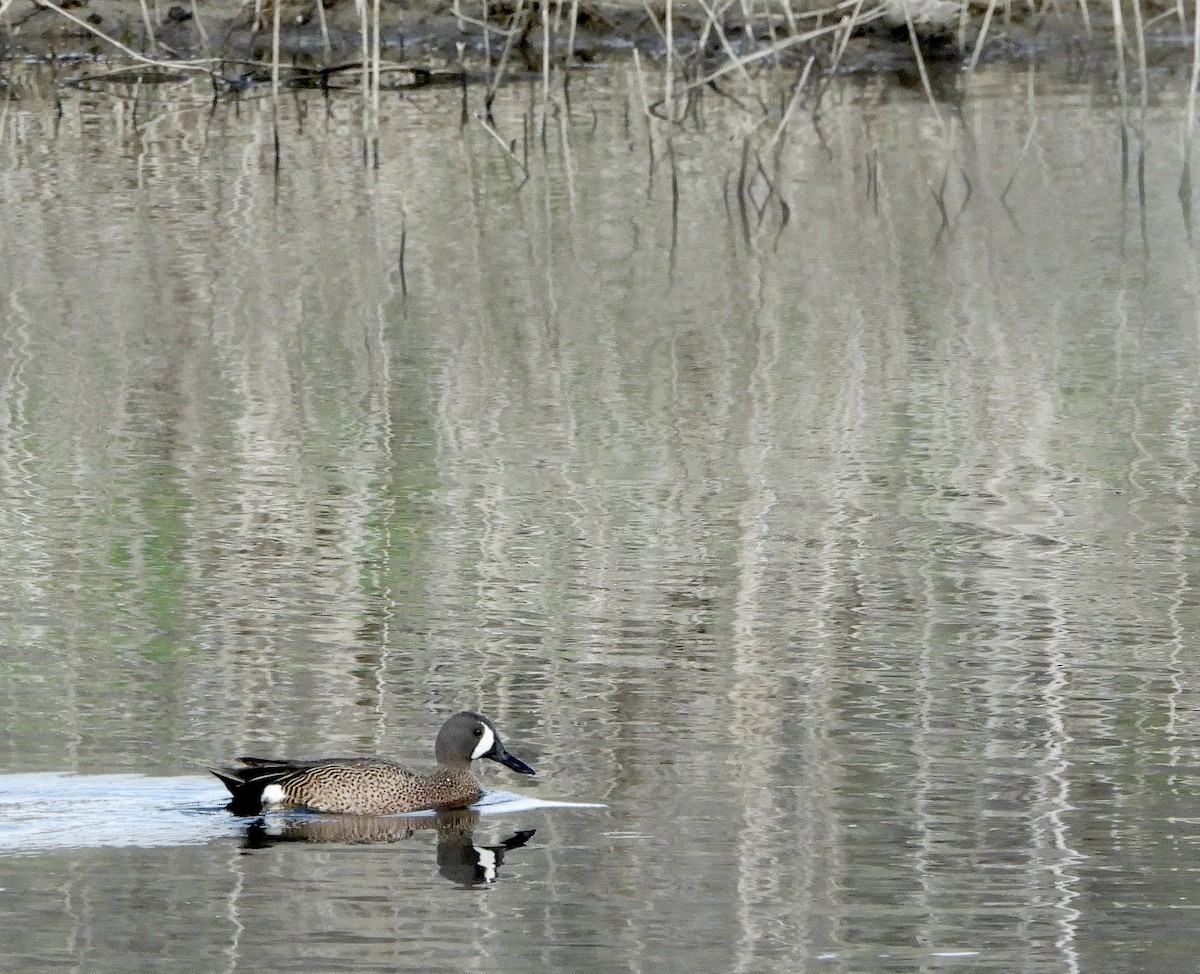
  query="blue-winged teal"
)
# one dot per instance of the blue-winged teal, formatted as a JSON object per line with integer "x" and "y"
{"x": 372, "y": 786}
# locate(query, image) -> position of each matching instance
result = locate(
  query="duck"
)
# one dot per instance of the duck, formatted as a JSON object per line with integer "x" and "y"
{"x": 370, "y": 785}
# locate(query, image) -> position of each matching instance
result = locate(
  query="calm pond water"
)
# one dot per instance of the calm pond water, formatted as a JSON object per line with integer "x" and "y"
{"x": 821, "y": 501}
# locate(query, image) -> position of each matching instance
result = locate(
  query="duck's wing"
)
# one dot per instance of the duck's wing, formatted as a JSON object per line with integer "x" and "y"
{"x": 304, "y": 764}
{"x": 299, "y": 781}
{"x": 246, "y": 784}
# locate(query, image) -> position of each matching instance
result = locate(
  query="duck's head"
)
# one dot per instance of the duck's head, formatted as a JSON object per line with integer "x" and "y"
{"x": 468, "y": 736}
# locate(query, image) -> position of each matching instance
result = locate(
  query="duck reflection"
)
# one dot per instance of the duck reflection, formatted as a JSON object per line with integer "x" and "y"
{"x": 459, "y": 859}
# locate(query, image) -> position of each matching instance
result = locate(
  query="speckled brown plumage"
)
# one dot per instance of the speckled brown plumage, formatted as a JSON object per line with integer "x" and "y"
{"x": 372, "y": 786}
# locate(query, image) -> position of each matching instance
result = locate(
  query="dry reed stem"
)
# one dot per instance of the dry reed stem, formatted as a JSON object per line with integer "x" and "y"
{"x": 485, "y": 24}
{"x": 1163, "y": 15}
{"x": 637, "y": 67}
{"x": 1191, "y": 102}
{"x": 571, "y": 35}
{"x": 360, "y": 7}
{"x": 509, "y": 39}
{"x": 922, "y": 70}
{"x": 748, "y": 20}
{"x": 1143, "y": 70}
{"x": 702, "y": 40}
{"x": 714, "y": 22}
{"x": 508, "y": 149}
{"x": 148, "y": 22}
{"x": 771, "y": 28}
{"x": 774, "y": 49}
{"x": 369, "y": 44}
{"x": 1119, "y": 39}
{"x": 646, "y": 112}
{"x": 8, "y": 100}
{"x": 654, "y": 20}
{"x": 797, "y": 91}
{"x": 276, "y": 20}
{"x": 843, "y": 42}
{"x": 545, "y": 107}
{"x": 204, "y": 46}
{"x": 820, "y": 13}
{"x": 788, "y": 16}
{"x": 376, "y": 58}
{"x": 987, "y": 20}
{"x": 487, "y": 57}
{"x": 668, "y": 80}
{"x": 568, "y": 164}
{"x": 323, "y": 23}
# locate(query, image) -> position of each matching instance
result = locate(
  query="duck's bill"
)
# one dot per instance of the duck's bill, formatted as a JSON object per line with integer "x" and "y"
{"x": 516, "y": 764}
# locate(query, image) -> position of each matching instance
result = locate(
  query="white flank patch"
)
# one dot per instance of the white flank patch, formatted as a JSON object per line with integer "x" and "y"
{"x": 485, "y": 743}
{"x": 272, "y": 795}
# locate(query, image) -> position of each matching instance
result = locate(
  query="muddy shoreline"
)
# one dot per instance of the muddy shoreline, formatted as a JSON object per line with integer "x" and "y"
{"x": 438, "y": 43}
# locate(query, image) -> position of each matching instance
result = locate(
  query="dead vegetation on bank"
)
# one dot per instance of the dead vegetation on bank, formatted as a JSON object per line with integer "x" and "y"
{"x": 690, "y": 46}
{"x": 415, "y": 44}
{"x": 773, "y": 59}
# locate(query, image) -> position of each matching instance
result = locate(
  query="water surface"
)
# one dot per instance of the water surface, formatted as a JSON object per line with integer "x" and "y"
{"x": 828, "y": 517}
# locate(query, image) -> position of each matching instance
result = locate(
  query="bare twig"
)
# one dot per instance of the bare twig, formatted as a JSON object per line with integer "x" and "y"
{"x": 276, "y": 17}
{"x": 323, "y": 23}
{"x": 668, "y": 80}
{"x": 850, "y": 23}
{"x": 508, "y": 149}
{"x": 514, "y": 32}
{"x": 775, "y": 49}
{"x": 921, "y": 69}
{"x": 983, "y": 30}
{"x": 797, "y": 91}
{"x": 148, "y": 22}
{"x": 571, "y": 34}
{"x": 1191, "y": 103}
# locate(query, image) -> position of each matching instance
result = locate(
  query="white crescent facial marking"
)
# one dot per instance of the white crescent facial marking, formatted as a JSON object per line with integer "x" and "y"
{"x": 272, "y": 795}
{"x": 485, "y": 743}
